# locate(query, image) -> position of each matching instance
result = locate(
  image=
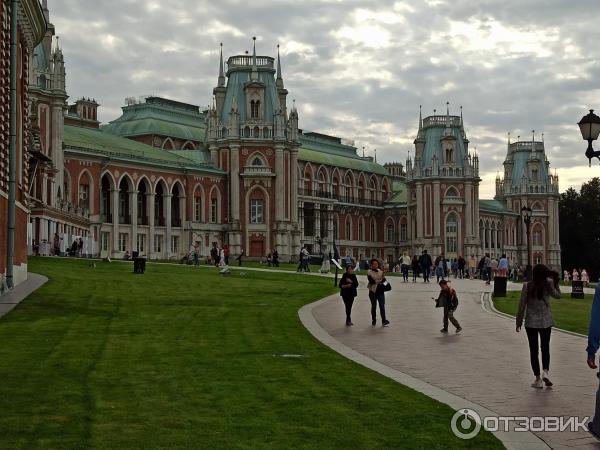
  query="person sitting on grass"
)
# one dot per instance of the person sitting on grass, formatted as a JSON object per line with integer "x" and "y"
{"x": 449, "y": 301}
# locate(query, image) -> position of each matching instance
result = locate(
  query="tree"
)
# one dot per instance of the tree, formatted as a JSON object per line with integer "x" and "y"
{"x": 579, "y": 218}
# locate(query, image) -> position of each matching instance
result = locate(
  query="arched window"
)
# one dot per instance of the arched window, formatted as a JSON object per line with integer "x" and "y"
{"x": 403, "y": 229}
{"x": 348, "y": 234}
{"x": 451, "y": 235}
{"x": 247, "y": 132}
{"x": 197, "y": 206}
{"x": 256, "y": 132}
{"x": 105, "y": 199}
{"x": 389, "y": 231}
{"x": 451, "y": 192}
{"x": 84, "y": 191}
{"x": 257, "y": 161}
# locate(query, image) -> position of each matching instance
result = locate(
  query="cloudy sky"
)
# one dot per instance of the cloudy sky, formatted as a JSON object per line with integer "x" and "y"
{"x": 360, "y": 69}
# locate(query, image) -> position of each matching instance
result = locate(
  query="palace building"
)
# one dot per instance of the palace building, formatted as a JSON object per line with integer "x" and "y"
{"x": 166, "y": 175}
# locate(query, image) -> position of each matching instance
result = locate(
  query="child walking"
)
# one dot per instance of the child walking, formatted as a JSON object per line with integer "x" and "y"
{"x": 449, "y": 301}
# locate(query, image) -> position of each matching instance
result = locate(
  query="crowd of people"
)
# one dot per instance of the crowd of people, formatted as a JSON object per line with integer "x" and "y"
{"x": 576, "y": 275}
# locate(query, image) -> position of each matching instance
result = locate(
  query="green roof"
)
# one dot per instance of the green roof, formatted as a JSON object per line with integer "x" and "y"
{"x": 495, "y": 206}
{"x": 399, "y": 193}
{"x": 95, "y": 142}
{"x": 322, "y": 149}
{"x": 160, "y": 117}
{"x": 201, "y": 156}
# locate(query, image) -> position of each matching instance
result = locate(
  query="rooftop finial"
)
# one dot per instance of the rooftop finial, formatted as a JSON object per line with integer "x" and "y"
{"x": 363, "y": 151}
{"x": 461, "y": 116}
{"x": 254, "y": 70}
{"x": 221, "y": 82}
{"x": 434, "y": 111}
{"x": 420, "y": 117}
{"x": 375, "y": 150}
{"x": 542, "y": 138}
{"x": 532, "y": 141}
{"x": 447, "y": 109}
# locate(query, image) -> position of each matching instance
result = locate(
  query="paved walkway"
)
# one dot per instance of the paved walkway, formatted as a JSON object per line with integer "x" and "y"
{"x": 11, "y": 299}
{"x": 487, "y": 364}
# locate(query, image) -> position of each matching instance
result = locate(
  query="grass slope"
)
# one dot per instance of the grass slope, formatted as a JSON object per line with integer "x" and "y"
{"x": 183, "y": 358}
{"x": 569, "y": 313}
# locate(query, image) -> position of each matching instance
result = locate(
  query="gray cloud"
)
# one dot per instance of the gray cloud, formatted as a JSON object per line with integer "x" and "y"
{"x": 359, "y": 69}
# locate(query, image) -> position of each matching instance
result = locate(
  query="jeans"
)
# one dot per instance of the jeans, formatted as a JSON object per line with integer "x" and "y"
{"x": 439, "y": 273}
{"x": 405, "y": 272}
{"x": 415, "y": 274}
{"x": 532, "y": 336}
{"x": 375, "y": 298}
{"x": 348, "y": 301}
{"x": 425, "y": 271}
{"x": 449, "y": 315}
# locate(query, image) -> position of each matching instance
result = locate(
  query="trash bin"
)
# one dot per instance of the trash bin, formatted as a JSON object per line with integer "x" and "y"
{"x": 139, "y": 265}
{"x": 577, "y": 289}
{"x": 500, "y": 286}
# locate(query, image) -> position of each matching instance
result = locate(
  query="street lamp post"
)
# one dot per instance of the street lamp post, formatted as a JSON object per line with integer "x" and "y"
{"x": 589, "y": 125}
{"x": 526, "y": 214}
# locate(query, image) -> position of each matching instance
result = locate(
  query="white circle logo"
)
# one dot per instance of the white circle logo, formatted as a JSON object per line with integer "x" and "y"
{"x": 466, "y": 423}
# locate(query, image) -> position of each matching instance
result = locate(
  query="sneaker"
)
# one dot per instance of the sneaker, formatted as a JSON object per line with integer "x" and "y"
{"x": 459, "y": 329}
{"x": 538, "y": 384}
{"x": 444, "y": 331}
{"x": 546, "y": 379}
{"x": 374, "y": 322}
{"x": 386, "y": 323}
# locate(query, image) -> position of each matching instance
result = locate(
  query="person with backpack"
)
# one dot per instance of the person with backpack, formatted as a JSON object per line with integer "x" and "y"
{"x": 535, "y": 306}
{"x": 449, "y": 301}
{"x": 348, "y": 284}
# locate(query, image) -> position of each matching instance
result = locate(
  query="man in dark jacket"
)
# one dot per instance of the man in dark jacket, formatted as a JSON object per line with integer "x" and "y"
{"x": 425, "y": 262}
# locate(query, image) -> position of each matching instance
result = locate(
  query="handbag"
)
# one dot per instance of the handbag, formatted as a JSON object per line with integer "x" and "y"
{"x": 386, "y": 286}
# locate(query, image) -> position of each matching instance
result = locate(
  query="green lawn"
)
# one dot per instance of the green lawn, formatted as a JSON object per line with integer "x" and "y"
{"x": 569, "y": 313}
{"x": 182, "y": 357}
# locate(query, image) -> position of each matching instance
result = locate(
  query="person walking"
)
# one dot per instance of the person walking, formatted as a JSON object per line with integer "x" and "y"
{"x": 405, "y": 262}
{"x": 415, "y": 268}
{"x": 487, "y": 268}
{"x": 592, "y": 349}
{"x": 348, "y": 284}
{"x": 376, "y": 292}
{"x": 425, "y": 262}
{"x": 440, "y": 267}
{"x": 56, "y": 245}
{"x": 472, "y": 266}
{"x": 239, "y": 258}
{"x": 275, "y": 258}
{"x": 305, "y": 259}
{"x": 535, "y": 305}
{"x": 448, "y": 300}
{"x": 461, "y": 267}
{"x": 226, "y": 254}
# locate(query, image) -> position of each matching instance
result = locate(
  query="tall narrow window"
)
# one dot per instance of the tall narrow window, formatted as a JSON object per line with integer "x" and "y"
{"x": 214, "y": 210}
{"x": 84, "y": 196}
{"x": 197, "y": 208}
{"x": 451, "y": 235}
{"x": 257, "y": 211}
{"x": 254, "y": 109}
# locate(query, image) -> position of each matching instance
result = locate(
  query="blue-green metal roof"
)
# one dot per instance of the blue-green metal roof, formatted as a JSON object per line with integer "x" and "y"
{"x": 328, "y": 150}
{"x": 235, "y": 89}
{"x": 160, "y": 117}
{"x": 433, "y": 145}
{"x": 494, "y": 206}
{"x": 93, "y": 142}
{"x": 399, "y": 194}
{"x": 520, "y": 153}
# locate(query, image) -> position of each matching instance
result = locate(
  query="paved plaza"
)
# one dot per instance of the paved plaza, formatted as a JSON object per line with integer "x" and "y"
{"x": 487, "y": 364}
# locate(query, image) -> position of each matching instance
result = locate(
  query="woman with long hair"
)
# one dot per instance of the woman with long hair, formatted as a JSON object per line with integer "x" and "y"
{"x": 535, "y": 305}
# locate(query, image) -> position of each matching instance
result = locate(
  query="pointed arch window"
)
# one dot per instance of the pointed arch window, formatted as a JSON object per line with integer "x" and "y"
{"x": 451, "y": 234}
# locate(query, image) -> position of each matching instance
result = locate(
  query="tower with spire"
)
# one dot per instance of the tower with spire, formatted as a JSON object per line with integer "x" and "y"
{"x": 443, "y": 187}
{"x": 528, "y": 182}
{"x": 250, "y": 134}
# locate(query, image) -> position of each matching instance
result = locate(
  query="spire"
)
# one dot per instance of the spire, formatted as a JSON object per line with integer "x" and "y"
{"x": 533, "y": 141}
{"x": 363, "y": 151}
{"x": 461, "y": 117}
{"x": 221, "y": 82}
{"x": 420, "y": 118}
{"x": 447, "y": 110}
{"x": 375, "y": 150}
{"x": 254, "y": 76}
{"x": 509, "y": 138}
{"x": 279, "y": 81}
